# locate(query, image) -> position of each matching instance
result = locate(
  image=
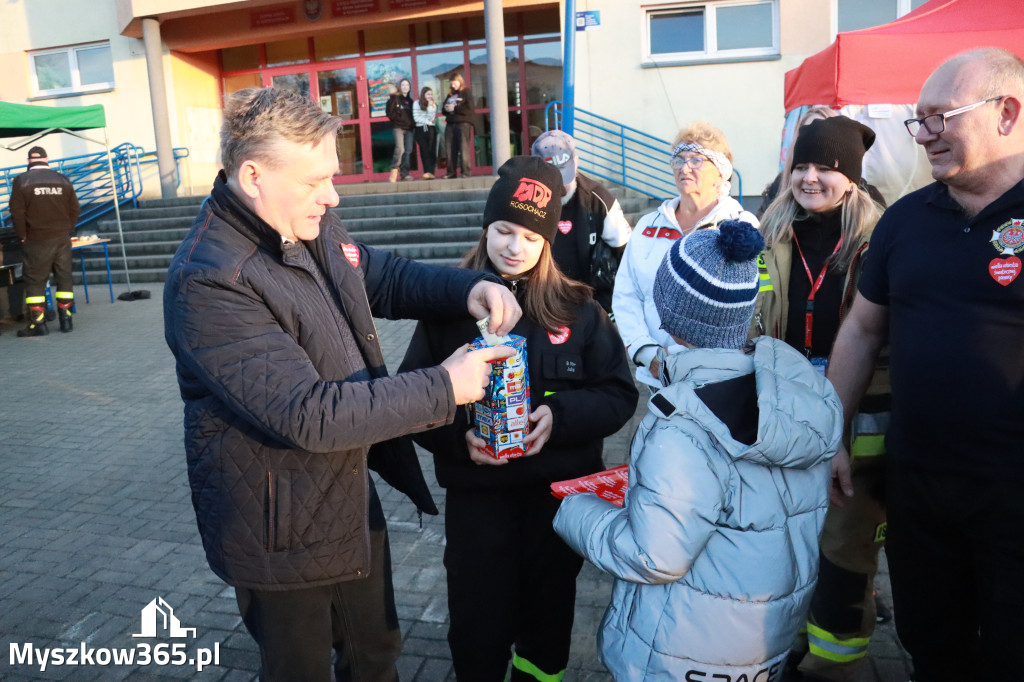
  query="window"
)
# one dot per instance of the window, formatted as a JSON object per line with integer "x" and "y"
{"x": 712, "y": 31}
{"x": 853, "y": 15}
{"x": 70, "y": 70}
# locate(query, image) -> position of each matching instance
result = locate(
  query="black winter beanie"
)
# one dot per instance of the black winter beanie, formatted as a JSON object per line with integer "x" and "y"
{"x": 528, "y": 192}
{"x": 838, "y": 143}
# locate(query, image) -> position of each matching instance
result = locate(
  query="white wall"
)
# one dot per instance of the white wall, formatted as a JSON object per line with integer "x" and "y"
{"x": 40, "y": 24}
{"x": 744, "y": 100}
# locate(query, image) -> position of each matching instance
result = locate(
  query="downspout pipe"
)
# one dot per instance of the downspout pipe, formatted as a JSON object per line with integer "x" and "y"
{"x": 569, "y": 68}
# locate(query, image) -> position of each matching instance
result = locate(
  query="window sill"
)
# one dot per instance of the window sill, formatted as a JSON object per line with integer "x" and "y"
{"x": 649, "y": 63}
{"x": 76, "y": 93}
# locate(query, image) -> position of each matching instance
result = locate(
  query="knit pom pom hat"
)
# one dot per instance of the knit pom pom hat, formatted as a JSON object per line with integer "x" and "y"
{"x": 707, "y": 283}
{"x": 838, "y": 143}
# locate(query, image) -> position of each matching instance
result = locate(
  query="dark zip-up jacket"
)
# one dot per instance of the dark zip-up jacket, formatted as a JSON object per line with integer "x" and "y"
{"x": 463, "y": 112}
{"x": 43, "y": 205}
{"x": 584, "y": 378}
{"x": 399, "y": 111}
{"x": 285, "y": 390}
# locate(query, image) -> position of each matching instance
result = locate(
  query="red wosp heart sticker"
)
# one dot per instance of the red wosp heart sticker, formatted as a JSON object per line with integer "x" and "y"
{"x": 1004, "y": 270}
{"x": 351, "y": 252}
{"x": 564, "y": 226}
{"x": 560, "y": 337}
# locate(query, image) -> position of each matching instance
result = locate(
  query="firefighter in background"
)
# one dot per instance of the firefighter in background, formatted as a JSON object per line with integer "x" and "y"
{"x": 45, "y": 212}
{"x": 592, "y": 230}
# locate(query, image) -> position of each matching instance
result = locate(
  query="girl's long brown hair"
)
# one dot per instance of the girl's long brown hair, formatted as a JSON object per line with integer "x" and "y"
{"x": 551, "y": 298}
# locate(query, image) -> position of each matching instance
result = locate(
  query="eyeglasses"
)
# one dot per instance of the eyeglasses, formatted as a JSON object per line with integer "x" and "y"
{"x": 936, "y": 123}
{"x": 694, "y": 162}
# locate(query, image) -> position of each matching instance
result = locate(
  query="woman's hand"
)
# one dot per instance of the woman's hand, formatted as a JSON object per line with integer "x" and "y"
{"x": 540, "y": 432}
{"x": 477, "y": 450}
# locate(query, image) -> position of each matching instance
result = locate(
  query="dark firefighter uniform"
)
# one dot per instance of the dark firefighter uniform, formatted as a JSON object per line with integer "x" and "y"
{"x": 45, "y": 211}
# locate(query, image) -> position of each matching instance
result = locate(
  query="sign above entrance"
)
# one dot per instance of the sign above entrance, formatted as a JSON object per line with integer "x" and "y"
{"x": 273, "y": 16}
{"x": 348, "y": 8}
{"x": 410, "y": 4}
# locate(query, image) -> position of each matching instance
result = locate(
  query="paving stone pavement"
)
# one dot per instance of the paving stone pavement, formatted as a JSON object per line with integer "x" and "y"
{"x": 96, "y": 520}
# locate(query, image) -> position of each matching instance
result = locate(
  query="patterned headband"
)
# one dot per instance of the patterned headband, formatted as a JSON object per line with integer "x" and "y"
{"x": 718, "y": 158}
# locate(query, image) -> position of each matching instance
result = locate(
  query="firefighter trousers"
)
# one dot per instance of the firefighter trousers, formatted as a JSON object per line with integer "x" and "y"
{"x": 842, "y": 615}
{"x": 40, "y": 258}
{"x": 956, "y": 552}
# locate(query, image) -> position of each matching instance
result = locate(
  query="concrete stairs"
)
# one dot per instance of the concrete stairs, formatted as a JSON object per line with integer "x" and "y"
{"x": 435, "y": 221}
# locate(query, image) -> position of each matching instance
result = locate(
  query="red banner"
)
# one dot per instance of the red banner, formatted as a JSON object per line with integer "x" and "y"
{"x": 411, "y": 4}
{"x": 272, "y": 17}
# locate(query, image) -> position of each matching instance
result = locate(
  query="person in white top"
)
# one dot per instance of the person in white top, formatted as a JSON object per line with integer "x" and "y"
{"x": 424, "y": 115}
{"x": 701, "y": 165}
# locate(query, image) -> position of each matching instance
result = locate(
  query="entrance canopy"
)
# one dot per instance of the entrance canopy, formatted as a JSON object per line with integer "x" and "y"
{"x": 890, "y": 63}
{"x": 20, "y": 120}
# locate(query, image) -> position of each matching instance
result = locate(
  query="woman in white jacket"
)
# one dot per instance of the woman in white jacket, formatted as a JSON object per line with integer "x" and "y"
{"x": 701, "y": 165}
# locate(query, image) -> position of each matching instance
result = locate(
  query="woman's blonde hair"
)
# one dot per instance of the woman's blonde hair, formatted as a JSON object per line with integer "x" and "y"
{"x": 860, "y": 213}
{"x": 706, "y": 135}
{"x": 551, "y": 298}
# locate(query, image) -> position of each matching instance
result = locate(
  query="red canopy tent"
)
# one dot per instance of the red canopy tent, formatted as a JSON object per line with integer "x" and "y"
{"x": 875, "y": 76}
{"x": 889, "y": 63}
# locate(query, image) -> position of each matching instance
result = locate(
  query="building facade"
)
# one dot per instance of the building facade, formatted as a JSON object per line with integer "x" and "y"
{"x": 653, "y": 66}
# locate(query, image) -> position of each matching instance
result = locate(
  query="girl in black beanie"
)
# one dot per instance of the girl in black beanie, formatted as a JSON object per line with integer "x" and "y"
{"x": 511, "y": 579}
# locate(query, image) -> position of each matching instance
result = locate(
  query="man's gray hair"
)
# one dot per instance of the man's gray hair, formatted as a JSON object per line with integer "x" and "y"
{"x": 1004, "y": 73}
{"x": 257, "y": 119}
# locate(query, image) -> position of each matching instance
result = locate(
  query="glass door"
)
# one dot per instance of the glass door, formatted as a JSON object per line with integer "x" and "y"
{"x": 342, "y": 93}
{"x": 383, "y": 76}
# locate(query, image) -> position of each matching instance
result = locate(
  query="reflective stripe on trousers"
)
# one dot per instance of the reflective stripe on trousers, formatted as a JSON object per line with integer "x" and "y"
{"x": 826, "y": 645}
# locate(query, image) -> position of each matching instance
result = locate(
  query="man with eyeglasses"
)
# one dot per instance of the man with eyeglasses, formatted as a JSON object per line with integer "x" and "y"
{"x": 942, "y": 286}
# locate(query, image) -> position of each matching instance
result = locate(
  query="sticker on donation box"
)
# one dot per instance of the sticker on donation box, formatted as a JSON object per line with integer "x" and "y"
{"x": 502, "y": 418}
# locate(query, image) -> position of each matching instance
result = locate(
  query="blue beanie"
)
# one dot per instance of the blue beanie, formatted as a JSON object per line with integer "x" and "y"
{"x": 707, "y": 284}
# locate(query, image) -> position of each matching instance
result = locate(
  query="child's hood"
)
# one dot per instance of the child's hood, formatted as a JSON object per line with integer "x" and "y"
{"x": 800, "y": 417}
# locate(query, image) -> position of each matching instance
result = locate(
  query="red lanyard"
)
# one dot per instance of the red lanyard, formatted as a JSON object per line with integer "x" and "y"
{"x": 815, "y": 285}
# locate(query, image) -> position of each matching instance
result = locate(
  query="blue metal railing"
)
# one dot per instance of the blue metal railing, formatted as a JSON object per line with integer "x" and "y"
{"x": 90, "y": 175}
{"x": 620, "y": 154}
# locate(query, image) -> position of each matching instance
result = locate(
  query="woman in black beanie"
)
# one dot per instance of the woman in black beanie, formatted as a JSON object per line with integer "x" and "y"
{"x": 816, "y": 233}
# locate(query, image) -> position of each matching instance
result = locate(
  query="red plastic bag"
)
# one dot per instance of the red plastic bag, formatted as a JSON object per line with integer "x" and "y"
{"x": 608, "y": 485}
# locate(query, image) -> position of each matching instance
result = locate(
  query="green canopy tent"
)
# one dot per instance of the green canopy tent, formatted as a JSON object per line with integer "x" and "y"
{"x": 32, "y": 122}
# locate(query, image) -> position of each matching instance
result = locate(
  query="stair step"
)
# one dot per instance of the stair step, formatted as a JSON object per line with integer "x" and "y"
{"x": 434, "y": 221}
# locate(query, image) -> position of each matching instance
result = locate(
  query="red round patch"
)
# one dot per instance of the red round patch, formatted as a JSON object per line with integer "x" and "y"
{"x": 561, "y": 337}
{"x": 564, "y": 226}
